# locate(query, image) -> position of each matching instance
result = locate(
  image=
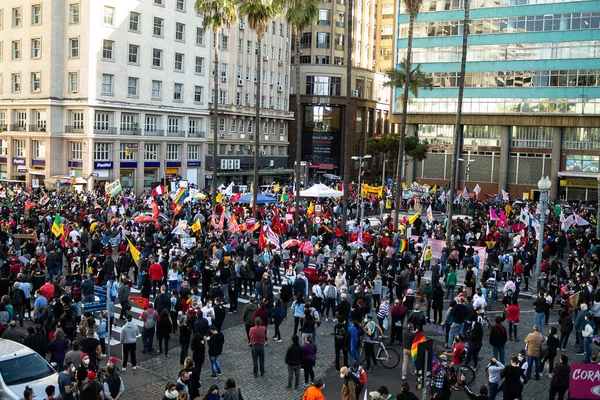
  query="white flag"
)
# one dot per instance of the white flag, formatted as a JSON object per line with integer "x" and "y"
{"x": 505, "y": 195}
{"x": 443, "y": 197}
{"x": 567, "y": 222}
{"x": 430, "y": 213}
{"x": 477, "y": 189}
{"x": 487, "y": 228}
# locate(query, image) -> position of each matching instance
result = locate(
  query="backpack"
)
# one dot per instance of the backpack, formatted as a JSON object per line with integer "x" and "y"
{"x": 462, "y": 356}
{"x": 309, "y": 321}
{"x": 17, "y": 299}
{"x": 177, "y": 304}
{"x": 506, "y": 259}
{"x": 46, "y": 313}
{"x": 150, "y": 321}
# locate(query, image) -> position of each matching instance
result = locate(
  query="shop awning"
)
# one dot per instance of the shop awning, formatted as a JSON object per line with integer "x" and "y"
{"x": 326, "y": 167}
{"x": 37, "y": 172}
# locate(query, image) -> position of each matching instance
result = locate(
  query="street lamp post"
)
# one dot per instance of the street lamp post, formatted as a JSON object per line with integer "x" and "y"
{"x": 598, "y": 211}
{"x": 467, "y": 168}
{"x": 544, "y": 185}
{"x": 360, "y": 165}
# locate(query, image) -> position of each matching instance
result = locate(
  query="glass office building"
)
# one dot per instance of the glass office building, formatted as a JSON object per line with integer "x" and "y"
{"x": 532, "y": 93}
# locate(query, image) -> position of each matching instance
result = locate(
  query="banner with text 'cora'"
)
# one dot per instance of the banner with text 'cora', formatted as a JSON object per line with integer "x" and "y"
{"x": 584, "y": 381}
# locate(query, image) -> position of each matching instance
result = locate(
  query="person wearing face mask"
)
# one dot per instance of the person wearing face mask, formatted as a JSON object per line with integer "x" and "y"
{"x": 83, "y": 370}
{"x": 67, "y": 386}
{"x": 113, "y": 384}
{"x": 350, "y": 384}
{"x": 514, "y": 378}
{"x": 170, "y": 391}
{"x": 182, "y": 382}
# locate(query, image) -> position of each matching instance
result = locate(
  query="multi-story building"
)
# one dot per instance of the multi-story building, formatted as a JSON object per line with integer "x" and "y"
{"x": 238, "y": 80}
{"x": 531, "y": 100}
{"x": 323, "y": 57}
{"x": 102, "y": 90}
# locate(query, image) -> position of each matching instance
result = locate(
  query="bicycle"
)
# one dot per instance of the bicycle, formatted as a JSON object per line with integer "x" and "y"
{"x": 465, "y": 370}
{"x": 389, "y": 358}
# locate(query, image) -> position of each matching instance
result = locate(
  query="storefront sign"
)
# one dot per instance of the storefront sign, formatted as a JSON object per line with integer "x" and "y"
{"x": 75, "y": 164}
{"x": 125, "y": 164}
{"x": 151, "y": 164}
{"x": 194, "y": 163}
{"x": 103, "y": 164}
{"x": 585, "y": 381}
{"x": 18, "y": 161}
{"x": 590, "y": 184}
{"x": 21, "y": 169}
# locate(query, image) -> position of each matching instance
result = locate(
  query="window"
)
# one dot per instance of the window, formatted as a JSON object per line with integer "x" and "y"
{"x": 323, "y": 85}
{"x": 156, "y": 89}
{"x": 157, "y": 58}
{"x": 224, "y": 42}
{"x": 178, "y": 92}
{"x": 107, "y": 83}
{"x": 127, "y": 155}
{"x": 193, "y": 152}
{"x": 178, "y": 62}
{"x": 247, "y": 73}
{"x": 306, "y": 40}
{"x": 151, "y": 123}
{"x": 16, "y": 17}
{"x": 15, "y": 82}
{"x": 339, "y": 42}
{"x": 133, "y": 86}
{"x": 73, "y": 47}
{"x": 1, "y": 48}
{"x": 158, "y": 3}
{"x": 582, "y": 163}
{"x": 134, "y": 22}
{"x": 36, "y": 14}
{"x": 223, "y": 97}
{"x": 340, "y": 20}
{"x": 173, "y": 152}
{"x": 158, "y": 27}
{"x": 101, "y": 121}
{"x": 199, "y": 65}
{"x": 39, "y": 149}
{"x": 36, "y": 48}
{"x": 199, "y": 36}
{"x": 180, "y": 5}
{"x": 322, "y": 59}
{"x": 233, "y": 125}
{"x": 172, "y": 125}
{"x": 19, "y": 146}
{"x": 16, "y": 50}
{"x": 322, "y": 40}
{"x": 134, "y": 54}
{"x": 77, "y": 119}
{"x": 73, "y": 82}
{"x": 324, "y": 17}
{"x": 76, "y": 151}
{"x": 248, "y": 46}
{"x": 250, "y": 124}
{"x": 36, "y": 81}
{"x": 4, "y": 144}
{"x": 180, "y": 32}
{"x": 221, "y": 124}
{"x": 238, "y": 98}
{"x": 1, "y": 22}
{"x": 198, "y": 94}
{"x": 109, "y": 16}
{"x": 240, "y": 46}
{"x": 108, "y": 50}
{"x": 74, "y": 14}
{"x": 102, "y": 151}
{"x": 224, "y": 70}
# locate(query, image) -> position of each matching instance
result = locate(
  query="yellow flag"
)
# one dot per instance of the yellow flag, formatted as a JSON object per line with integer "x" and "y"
{"x": 196, "y": 226}
{"x": 276, "y": 188}
{"x": 283, "y": 195}
{"x": 135, "y": 253}
{"x": 413, "y": 218}
{"x": 93, "y": 226}
{"x": 219, "y": 197}
{"x": 311, "y": 208}
{"x": 434, "y": 189}
{"x": 404, "y": 185}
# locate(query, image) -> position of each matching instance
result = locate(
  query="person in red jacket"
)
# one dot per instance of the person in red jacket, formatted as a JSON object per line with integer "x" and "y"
{"x": 156, "y": 274}
{"x": 513, "y": 314}
{"x": 263, "y": 313}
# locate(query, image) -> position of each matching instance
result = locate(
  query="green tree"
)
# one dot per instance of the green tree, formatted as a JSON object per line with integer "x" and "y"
{"x": 417, "y": 79}
{"x": 412, "y": 7}
{"x": 217, "y": 14}
{"x": 299, "y": 15}
{"x": 259, "y": 14}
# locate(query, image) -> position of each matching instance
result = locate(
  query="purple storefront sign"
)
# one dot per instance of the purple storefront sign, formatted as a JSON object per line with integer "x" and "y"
{"x": 585, "y": 381}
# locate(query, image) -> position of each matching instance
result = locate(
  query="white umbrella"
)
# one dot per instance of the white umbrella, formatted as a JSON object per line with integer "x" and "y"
{"x": 319, "y": 190}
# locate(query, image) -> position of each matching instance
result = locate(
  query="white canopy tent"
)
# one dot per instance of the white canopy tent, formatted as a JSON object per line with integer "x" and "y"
{"x": 319, "y": 190}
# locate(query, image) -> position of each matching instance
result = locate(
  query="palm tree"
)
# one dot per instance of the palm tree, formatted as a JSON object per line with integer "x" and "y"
{"x": 413, "y": 7}
{"x": 300, "y": 15}
{"x": 458, "y": 126}
{"x": 218, "y": 14}
{"x": 417, "y": 79}
{"x": 259, "y": 13}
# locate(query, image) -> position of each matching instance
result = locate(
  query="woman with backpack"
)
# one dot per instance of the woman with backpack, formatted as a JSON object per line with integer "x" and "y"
{"x": 298, "y": 311}
{"x": 566, "y": 327}
{"x": 163, "y": 331}
{"x": 309, "y": 359}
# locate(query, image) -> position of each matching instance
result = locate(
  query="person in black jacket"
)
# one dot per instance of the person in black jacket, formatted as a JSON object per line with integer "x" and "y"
{"x": 185, "y": 334}
{"x": 293, "y": 359}
{"x": 560, "y": 378}
{"x": 163, "y": 331}
{"x": 498, "y": 338}
{"x": 215, "y": 348}
{"x": 475, "y": 340}
{"x": 513, "y": 374}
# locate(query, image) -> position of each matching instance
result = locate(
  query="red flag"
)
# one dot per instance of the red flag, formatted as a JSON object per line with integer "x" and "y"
{"x": 221, "y": 221}
{"x": 212, "y": 221}
{"x": 63, "y": 238}
{"x": 233, "y": 225}
{"x": 154, "y": 210}
{"x": 29, "y": 205}
{"x": 236, "y": 198}
{"x": 177, "y": 209}
{"x": 254, "y": 227}
{"x": 276, "y": 225}
{"x": 262, "y": 239}
{"x": 160, "y": 189}
{"x": 326, "y": 214}
{"x": 140, "y": 301}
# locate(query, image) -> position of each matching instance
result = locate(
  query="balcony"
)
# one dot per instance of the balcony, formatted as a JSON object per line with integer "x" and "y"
{"x": 3, "y": 127}
{"x": 197, "y": 134}
{"x": 18, "y": 127}
{"x": 39, "y": 127}
{"x": 341, "y": 2}
{"x": 340, "y": 24}
{"x": 339, "y": 47}
{"x": 322, "y": 45}
{"x": 105, "y": 130}
{"x": 131, "y": 131}
{"x": 73, "y": 129}
{"x": 154, "y": 132}
{"x": 324, "y": 22}
{"x": 174, "y": 133}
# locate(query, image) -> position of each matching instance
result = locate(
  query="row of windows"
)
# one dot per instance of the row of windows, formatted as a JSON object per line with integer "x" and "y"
{"x": 323, "y": 40}
{"x": 320, "y": 60}
{"x": 16, "y": 82}
{"x": 445, "y": 5}
{"x": 37, "y": 120}
{"x": 16, "y": 50}
{"x": 581, "y": 139}
{"x": 323, "y": 85}
{"x": 20, "y": 148}
{"x": 16, "y": 16}
{"x": 552, "y": 78}
{"x": 151, "y": 152}
{"x": 506, "y": 52}
{"x": 484, "y": 26}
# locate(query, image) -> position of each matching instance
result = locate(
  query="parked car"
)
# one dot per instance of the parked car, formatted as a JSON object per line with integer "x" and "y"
{"x": 20, "y": 367}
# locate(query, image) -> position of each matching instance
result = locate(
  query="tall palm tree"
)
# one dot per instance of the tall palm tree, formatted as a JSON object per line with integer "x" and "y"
{"x": 259, "y": 13}
{"x": 417, "y": 79}
{"x": 413, "y": 7}
{"x": 300, "y": 15}
{"x": 348, "y": 134}
{"x": 458, "y": 127}
{"x": 218, "y": 14}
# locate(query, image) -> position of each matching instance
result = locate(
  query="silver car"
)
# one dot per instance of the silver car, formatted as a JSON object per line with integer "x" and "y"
{"x": 20, "y": 367}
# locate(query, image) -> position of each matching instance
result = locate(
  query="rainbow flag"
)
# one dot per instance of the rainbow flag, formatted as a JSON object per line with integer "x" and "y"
{"x": 402, "y": 244}
{"x": 420, "y": 338}
{"x": 180, "y": 196}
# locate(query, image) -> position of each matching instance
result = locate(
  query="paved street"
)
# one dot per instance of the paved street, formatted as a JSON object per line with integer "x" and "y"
{"x": 236, "y": 362}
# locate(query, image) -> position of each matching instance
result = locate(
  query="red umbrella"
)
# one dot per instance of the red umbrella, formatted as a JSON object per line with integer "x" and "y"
{"x": 366, "y": 237}
{"x": 291, "y": 243}
{"x": 144, "y": 219}
{"x": 308, "y": 249}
